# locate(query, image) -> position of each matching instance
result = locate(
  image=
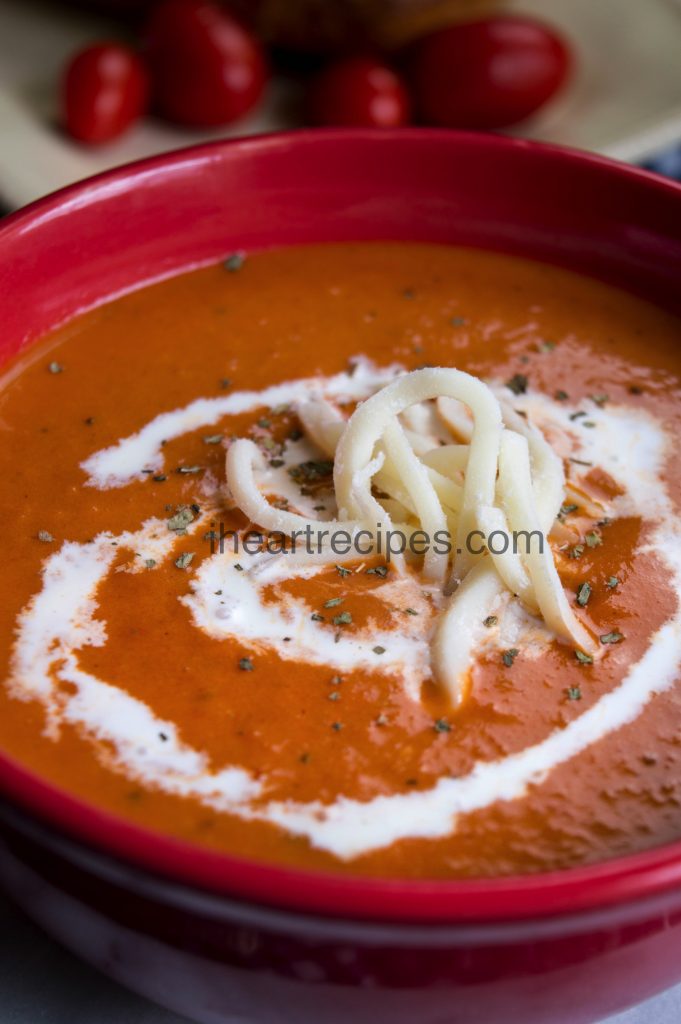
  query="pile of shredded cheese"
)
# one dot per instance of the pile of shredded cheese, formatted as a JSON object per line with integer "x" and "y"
{"x": 480, "y": 467}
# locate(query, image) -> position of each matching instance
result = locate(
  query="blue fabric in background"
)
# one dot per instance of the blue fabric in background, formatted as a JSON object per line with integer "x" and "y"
{"x": 667, "y": 163}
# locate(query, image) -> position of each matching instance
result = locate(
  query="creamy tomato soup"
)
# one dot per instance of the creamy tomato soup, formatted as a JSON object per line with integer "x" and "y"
{"x": 467, "y": 661}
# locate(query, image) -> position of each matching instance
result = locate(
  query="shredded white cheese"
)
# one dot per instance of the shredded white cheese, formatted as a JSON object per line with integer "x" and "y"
{"x": 506, "y": 478}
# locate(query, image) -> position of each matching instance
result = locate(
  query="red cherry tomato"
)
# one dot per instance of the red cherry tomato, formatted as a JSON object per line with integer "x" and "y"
{"x": 206, "y": 68}
{"x": 488, "y": 73}
{"x": 105, "y": 90}
{"x": 359, "y": 91}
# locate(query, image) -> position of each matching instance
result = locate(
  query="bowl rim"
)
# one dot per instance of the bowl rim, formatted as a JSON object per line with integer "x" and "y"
{"x": 619, "y": 880}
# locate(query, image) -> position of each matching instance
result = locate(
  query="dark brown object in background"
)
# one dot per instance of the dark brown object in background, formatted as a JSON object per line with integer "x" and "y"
{"x": 331, "y": 26}
{"x": 342, "y": 25}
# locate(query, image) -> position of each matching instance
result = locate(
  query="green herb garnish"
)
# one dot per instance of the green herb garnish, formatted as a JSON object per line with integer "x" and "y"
{"x": 583, "y": 658}
{"x": 442, "y": 725}
{"x": 183, "y": 516}
{"x": 517, "y": 384}
{"x": 574, "y": 693}
{"x": 344, "y": 619}
{"x": 184, "y": 560}
{"x": 234, "y": 262}
{"x": 246, "y": 665}
{"x": 509, "y": 656}
{"x": 583, "y": 594}
{"x": 612, "y": 582}
{"x": 311, "y": 471}
{"x": 611, "y": 638}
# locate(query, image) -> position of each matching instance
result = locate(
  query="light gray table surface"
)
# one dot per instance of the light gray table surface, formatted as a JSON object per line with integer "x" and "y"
{"x": 40, "y": 983}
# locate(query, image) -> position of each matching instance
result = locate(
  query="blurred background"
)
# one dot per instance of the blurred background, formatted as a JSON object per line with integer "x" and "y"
{"x": 90, "y": 85}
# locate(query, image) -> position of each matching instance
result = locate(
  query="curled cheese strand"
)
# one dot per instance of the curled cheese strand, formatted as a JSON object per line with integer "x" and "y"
{"x": 506, "y": 562}
{"x": 322, "y": 422}
{"x": 515, "y": 484}
{"x": 423, "y": 495}
{"x": 447, "y": 459}
{"x": 548, "y": 477}
{"x": 242, "y": 459}
{"x": 461, "y": 627}
{"x": 368, "y": 424}
{"x": 456, "y": 418}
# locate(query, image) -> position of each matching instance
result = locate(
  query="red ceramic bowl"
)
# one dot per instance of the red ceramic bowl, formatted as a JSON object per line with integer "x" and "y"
{"x": 222, "y": 940}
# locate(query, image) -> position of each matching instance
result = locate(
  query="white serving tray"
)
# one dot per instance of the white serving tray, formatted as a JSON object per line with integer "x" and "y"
{"x": 624, "y": 99}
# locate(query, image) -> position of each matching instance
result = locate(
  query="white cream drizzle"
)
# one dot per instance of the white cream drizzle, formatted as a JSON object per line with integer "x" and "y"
{"x": 227, "y": 603}
{"x": 125, "y": 461}
{"x": 61, "y": 620}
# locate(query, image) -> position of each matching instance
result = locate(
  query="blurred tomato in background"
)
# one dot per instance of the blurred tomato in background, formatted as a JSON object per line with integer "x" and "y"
{"x": 487, "y": 73}
{"x": 359, "y": 91}
{"x": 368, "y": 63}
{"x": 206, "y": 69}
{"x": 105, "y": 89}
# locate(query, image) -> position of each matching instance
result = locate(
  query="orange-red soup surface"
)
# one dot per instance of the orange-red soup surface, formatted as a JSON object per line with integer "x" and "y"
{"x": 307, "y": 732}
